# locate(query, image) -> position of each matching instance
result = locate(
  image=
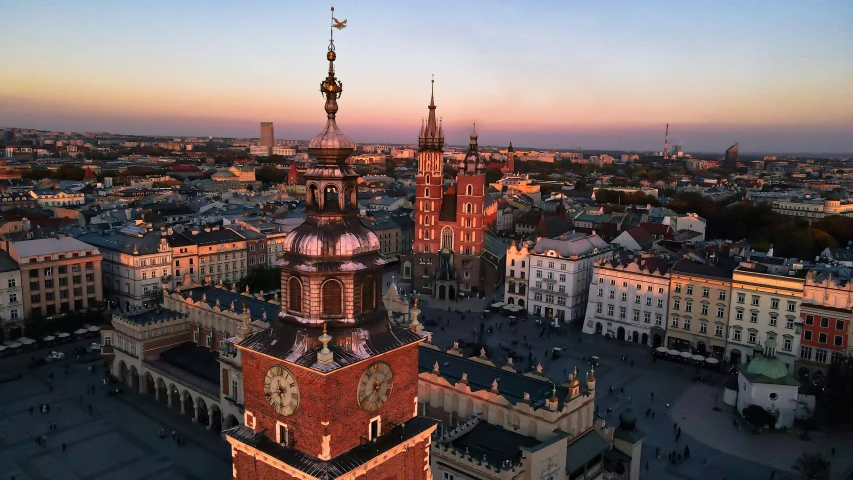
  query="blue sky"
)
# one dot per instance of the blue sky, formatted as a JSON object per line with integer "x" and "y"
{"x": 772, "y": 75}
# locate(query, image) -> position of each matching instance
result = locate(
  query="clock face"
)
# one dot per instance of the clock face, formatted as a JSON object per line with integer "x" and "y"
{"x": 375, "y": 386}
{"x": 281, "y": 390}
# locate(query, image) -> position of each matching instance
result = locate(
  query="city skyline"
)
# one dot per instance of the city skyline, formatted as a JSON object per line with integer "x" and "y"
{"x": 771, "y": 77}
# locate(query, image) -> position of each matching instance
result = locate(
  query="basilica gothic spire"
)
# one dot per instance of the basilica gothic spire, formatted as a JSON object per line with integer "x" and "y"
{"x": 432, "y": 137}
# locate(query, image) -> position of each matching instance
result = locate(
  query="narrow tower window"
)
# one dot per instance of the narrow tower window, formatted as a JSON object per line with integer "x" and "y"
{"x": 469, "y": 190}
{"x": 295, "y": 290}
{"x": 332, "y": 301}
{"x": 368, "y": 298}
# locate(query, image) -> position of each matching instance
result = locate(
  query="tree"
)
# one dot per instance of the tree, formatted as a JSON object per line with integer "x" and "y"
{"x": 270, "y": 174}
{"x": 493, "y": 175}
{"x": 758, "y": 417}
{"x": 813, "y": 466}
{"x": 838, "y": 395}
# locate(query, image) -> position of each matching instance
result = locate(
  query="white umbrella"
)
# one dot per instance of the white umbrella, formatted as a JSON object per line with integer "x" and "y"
{"x": 712, "y": 361}
{"x": 698, "y": 358}
{"x": 661, "y": 349}
{"x": 14, "y": 345}
{"x": 673, "y": 352}
{"x": 686, "y": 354}
{"x": 80, "y": 331}
{"x": 94, "y": 328}
{"x": 49, "y": 338}
{"x": 26, "y": 341}
{"x": 498, "y": 305}
{"x": 2, "y": 348}
{"x": 63, "y": 335}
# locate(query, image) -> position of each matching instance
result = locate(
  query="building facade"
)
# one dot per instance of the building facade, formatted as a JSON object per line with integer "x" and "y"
{"x": 267, "y": 135}
{"x": 58, "y": 275}
{"x": 628, "y": 299}
{"x": 764, "y": 305}
{"x": 12, "y": 311}
{"x": 136, "y": 260}
{"x": 699, "y": 299}
{"x": 560, "y": 272}
{"x": 825, "y": 314}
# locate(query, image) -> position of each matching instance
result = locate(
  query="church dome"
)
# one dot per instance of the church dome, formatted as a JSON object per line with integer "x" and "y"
{"x": 317, "y": 237}
{"x": 768, "y": 365}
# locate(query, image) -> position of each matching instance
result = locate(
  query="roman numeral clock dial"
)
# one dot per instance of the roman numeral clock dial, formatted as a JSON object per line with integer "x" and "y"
{"x": 281, "y": 390}
{"x": 375, "y": 386}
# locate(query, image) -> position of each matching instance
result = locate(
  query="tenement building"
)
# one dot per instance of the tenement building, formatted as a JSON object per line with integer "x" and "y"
{"x": 451, "y": 254}
{"x": 58, "y": 274}
{"x": 700, "y": 292}
{"x": 136, "y": 260}
{"x": 628, "y": 299}
{"x": 11, "y": 297}
{"x": 559, "y": 271}
{"x": 764, "y": 305}
{"x": 825, "y": 314}
{"x": 330, "y": 390}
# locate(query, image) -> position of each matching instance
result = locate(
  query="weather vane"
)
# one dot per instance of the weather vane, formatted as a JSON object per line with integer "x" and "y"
{"x": 340, "y": 25}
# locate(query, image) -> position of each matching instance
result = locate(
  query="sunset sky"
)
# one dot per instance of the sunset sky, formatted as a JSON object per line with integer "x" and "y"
{"x": 774, "y": 75}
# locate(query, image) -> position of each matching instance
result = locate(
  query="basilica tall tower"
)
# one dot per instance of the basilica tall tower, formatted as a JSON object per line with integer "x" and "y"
{"x": 331, "y": 388}
{"x": 445, "y": 261}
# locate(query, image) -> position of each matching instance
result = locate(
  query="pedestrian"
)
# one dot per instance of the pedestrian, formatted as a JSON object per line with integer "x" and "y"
{"x": 686, "y": 452}
{"x": 647, "y": 465}
{"x": 675, "y": 427}
{"x": 90, "y": 409}
{"x": 679, "y": 431}
{"x": 679, "y": 457}
{"x": 622, "y": 391}
{"x": 31, "y": 410}
{"x": 833, "y": 451}
{"x": 705, "y": 463}
{"x": 653, "y": 414}
{"x": 772, "y": 474}
{"x": 63, "y": 448}
{"x": 651, "y": 395}
{"x": 173, "y": 434}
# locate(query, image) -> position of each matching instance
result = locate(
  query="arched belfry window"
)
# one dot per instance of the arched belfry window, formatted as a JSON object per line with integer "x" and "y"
{"x": 330, "y": 198}
{"x": 294, "y": 287}
{"x": 368, "y": 295}
{"x": 447, "y": 238}
{"x": 350, "y": 200}
{"x": 428, "y": 180}
{"x": 426, "y": 191}
{"x": 469, "y": 190}
{"x": 332, "y": 298}
{"x": 313, "y": 193}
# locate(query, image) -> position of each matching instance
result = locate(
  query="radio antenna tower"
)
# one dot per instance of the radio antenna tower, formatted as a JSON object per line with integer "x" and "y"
{"x": 666, "y": 143}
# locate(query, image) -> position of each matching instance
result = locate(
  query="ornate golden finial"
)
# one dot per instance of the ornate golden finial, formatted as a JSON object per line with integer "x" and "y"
{"x": 324, "y": 327}
{"x": 416, "y": 302}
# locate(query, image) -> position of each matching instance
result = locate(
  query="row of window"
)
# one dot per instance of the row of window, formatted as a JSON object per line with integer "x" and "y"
{"x": 752, "y": 337}
{"x": 51, "y": 296}
{"x": 647, "y": 316}
{"x": 63, "y": 282}
{"x": 688, "y": 307}
{"x": 820, "y": 354}
{"x": 774, "y": 302}
{"x": 706, "y": 292}
{"x": 637, "y": 298}
{"x": 773, "y": 318}
{"x": 62, "y": 269}
{"x": 549, "y": 298}
{"x": 824, "y": 322}
{"x": 838, "y": 340}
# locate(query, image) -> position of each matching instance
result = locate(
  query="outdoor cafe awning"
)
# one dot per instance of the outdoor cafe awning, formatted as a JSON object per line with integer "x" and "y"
{"x": 686, "y": 354}
{"x": 63, "y": 335}
{"x": 94, "y": 328}
{"x": 698, "y": 358}
{"x": 49, "y": 338}
{"x": 26, "y": 341}
{"x": 661, "y": 349}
